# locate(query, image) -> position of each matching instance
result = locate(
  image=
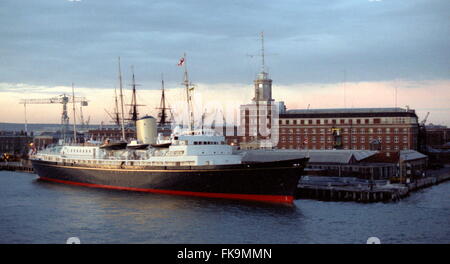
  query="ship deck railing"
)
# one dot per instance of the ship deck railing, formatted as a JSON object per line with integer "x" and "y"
{"x": 108, "y": 162}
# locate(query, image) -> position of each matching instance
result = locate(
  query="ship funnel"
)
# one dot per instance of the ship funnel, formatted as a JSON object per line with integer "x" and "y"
{"x": 146, "y": 130}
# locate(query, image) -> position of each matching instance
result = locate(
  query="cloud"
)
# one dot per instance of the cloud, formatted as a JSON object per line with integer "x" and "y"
{"x": 55, "y": 42}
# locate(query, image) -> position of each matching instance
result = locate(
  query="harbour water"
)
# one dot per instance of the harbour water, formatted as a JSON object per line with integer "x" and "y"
{"x": 32, "y": 211}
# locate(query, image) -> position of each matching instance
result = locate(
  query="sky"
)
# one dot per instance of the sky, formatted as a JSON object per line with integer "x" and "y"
{"x": 326, "y": 54}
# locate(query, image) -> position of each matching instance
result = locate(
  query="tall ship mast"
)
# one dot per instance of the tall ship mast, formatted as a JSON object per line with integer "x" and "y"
{"x": 165, "y": 116}
{"x": 133, "y": 113}
{"x": 115, "y": 116}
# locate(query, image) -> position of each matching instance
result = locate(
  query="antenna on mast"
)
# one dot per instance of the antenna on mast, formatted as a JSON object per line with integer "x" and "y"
{"x": 263, "y": 63}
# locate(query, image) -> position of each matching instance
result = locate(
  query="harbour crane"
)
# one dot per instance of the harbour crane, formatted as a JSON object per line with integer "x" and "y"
{"x": 422, "y": 123}
{"x": 60, "y": 99}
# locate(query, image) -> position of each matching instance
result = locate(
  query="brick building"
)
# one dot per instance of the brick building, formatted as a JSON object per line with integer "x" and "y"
{"x": 265, "y": 123}
{"x": 384, "y": 129}
{"x": 437, "y": 136}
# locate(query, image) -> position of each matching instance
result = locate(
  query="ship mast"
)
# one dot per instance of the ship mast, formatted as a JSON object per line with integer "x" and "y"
{"x": 133, "y": 111}
{"x": 121, "y": 102}
{"x": 162, "y": 106}
{"x": 74, "y": 116}
{"x": 189, "y": 91}
{"x": 116, "y": 117}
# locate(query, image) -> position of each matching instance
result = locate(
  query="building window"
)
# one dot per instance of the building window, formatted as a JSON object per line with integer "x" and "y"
{"x": 342, "y": 121}
{"x": 310, "y": 122}
{"x": 366, "y": 121}
{"x": 358, "y": 121}
{"x": 318, "y": 122}
{"x": 287, "y": 122}
{"x": 295, "y": 122}
{"x": 302, "y": 122}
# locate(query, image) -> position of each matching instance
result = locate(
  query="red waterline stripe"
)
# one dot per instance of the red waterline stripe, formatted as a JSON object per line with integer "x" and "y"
{"x": 255, "y": 197}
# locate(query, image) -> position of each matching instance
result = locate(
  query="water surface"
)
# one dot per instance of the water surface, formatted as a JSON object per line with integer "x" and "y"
{"x": 33, "y": 211}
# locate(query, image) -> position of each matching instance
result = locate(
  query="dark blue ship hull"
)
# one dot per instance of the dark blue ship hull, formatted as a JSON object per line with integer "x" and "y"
{"x": 267, "y": 181}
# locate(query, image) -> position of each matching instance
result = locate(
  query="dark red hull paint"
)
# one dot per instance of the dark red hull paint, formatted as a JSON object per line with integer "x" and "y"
{"x": 254, "y": 197}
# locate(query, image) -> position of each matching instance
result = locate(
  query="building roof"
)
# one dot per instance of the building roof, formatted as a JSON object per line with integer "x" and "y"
{"x": 406, "y": 155}
{"x": 410, "y": 154}
{"x": 349, "y": 112}
{"x": 315, "y": 156}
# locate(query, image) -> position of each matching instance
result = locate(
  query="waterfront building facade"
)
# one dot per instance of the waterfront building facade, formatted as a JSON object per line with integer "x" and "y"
{"x": 383, "y": 129}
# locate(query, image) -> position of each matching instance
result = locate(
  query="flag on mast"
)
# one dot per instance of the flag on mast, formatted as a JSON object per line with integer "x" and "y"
{"x": 181, "y": 61}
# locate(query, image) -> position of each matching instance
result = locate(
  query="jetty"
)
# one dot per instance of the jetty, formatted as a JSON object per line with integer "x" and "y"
{"x": 365, "y": 191}
{"x": 22, "y": 166}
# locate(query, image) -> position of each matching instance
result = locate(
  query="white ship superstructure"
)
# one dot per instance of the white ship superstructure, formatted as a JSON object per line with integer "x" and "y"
{"x": 186, "y": 149}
